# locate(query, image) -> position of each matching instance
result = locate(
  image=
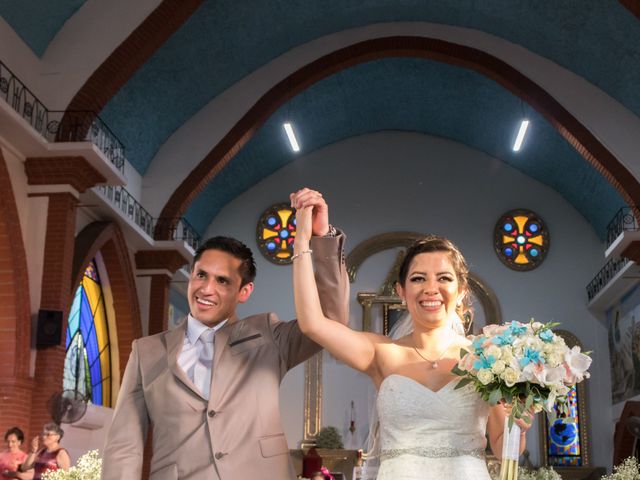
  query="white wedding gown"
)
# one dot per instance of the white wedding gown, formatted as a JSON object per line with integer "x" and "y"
{"x": 427, "y": 435}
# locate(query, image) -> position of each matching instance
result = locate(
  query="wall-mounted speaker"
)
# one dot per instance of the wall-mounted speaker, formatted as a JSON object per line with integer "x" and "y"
{"x": 49, "y": 328}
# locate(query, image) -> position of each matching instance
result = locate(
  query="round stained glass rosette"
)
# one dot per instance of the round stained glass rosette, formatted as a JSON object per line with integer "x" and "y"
{"x": 521, "y": 240}
{"x": 276, "y": 232}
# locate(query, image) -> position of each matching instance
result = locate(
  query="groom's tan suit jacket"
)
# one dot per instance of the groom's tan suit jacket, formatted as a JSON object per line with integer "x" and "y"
{"x": 237, "y": 434}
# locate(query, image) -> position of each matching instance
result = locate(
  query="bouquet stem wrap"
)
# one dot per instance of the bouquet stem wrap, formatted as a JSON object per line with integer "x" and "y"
{"x": 510, "y": 452}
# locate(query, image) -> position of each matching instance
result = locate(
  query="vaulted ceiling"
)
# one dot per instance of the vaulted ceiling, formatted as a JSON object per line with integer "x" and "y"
{"x": 221, "y": 43}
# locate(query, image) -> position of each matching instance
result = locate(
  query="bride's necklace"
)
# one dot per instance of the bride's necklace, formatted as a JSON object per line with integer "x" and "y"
{"x": 434, "y": 363}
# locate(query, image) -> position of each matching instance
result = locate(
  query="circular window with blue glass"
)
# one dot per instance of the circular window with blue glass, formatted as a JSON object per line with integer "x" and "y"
{"x": 521, "y": 239}
{"x": 276, "y": 232}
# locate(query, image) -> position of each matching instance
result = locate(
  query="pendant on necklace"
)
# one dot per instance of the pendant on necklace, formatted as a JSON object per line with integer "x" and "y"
{"x": 434, "y": 365}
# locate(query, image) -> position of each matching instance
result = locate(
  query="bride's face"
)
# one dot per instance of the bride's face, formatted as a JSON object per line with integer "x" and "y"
{"x": 431, "y": 289}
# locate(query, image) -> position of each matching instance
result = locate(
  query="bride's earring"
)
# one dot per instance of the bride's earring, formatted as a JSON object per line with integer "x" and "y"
{"x": 404, "y": 302}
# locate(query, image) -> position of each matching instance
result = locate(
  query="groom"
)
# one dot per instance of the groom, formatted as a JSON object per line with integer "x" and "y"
{"x": 210, "y": 387}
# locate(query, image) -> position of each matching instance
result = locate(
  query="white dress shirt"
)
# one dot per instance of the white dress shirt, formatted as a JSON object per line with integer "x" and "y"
{"x": 191, "y": 348}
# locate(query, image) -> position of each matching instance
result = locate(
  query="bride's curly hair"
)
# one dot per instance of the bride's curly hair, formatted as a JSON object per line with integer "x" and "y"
{"x": 436, "y": 243}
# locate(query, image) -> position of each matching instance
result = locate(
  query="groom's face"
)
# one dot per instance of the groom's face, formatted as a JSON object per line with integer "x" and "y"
{"x": 215, "y": 287}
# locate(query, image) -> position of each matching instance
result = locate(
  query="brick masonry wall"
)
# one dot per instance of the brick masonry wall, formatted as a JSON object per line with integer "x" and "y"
{"x": 56, "y": 295}
{"x": 15, "y": 318}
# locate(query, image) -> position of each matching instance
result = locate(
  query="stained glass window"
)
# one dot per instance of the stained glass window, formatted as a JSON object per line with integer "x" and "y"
{"x": 521, "y": 240}
{"x": 276, "y": 233}
{"x": 564, "y": 436}
{"x": 87, "y": 365}
{"x": 565, "y": 443}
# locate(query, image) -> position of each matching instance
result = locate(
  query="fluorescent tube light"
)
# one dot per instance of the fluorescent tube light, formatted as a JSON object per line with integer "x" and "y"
{"x": 292, "y": 137}
{"x": 523, "y": 129}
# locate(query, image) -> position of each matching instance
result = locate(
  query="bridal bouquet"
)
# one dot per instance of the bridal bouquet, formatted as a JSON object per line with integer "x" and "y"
{"x": 526, "y": 366}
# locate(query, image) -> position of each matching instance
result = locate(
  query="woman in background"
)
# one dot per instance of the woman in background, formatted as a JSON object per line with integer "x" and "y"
{"x": 13, "y": 456}
{"x": 51, "y": 456}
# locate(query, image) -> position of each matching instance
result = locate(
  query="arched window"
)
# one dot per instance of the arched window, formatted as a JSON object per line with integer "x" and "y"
{"x": 87, "y": 365}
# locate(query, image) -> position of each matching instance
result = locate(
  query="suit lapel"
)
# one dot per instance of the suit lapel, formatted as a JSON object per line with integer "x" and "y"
{"x": 224, "y": 336}
{"x": 175, "y": 340}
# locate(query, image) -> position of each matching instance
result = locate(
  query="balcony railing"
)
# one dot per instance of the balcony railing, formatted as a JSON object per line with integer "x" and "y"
{"x": 122, "y": 200}
{"x": 86, "y": 126}
{"x": 167, "y": 228}
{"x": 129, "y": 206}
{"x": 623, "y": 221}
{"x": 605, "y": 275}
{"x": 69, "y": 126}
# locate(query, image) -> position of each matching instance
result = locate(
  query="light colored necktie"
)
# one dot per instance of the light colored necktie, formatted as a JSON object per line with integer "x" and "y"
{"x": 203, "y": 368}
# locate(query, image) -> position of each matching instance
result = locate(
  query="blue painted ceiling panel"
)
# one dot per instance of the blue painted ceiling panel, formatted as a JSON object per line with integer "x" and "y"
{"x": 421, "y": 96}
{"x": 226, "y": 40}
{"x": 37, "y": 21}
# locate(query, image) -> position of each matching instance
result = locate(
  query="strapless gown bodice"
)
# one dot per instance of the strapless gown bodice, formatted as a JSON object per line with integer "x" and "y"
{"x": 427, "y": 435}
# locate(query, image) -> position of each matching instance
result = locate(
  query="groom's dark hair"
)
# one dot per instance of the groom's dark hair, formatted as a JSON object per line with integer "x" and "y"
{"x": 235, "y": 248}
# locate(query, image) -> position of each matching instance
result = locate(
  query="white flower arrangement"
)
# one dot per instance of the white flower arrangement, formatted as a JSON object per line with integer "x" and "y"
{"x": 525, "y": 365}
{"x": 542, "y": 473}
{"x": 88, "y": 467}
{"x": 629, "y": 469}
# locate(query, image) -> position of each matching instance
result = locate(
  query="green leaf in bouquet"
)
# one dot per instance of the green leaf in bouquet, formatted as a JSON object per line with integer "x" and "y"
{"x": 463, "y": 352}
{"x": 495, "y": 396}
{"x": 552, "y": 416}
{"x": 463, "y": 382}
{"x": 509, "y": 394}
{"x": 529, "y": 402}
{"x": 458, "y": 371}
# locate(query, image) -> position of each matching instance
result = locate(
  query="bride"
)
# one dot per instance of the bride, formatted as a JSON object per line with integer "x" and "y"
{"x": 428, "y": 429}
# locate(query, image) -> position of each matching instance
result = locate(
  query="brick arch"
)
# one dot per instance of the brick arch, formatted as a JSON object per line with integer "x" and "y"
{"x": 488, "y": 65}
{"x": 122, "y": 64}
{"x": 107, "y": 238}
{"x": 634, "y": 7}
{"x": 15, "y": 313}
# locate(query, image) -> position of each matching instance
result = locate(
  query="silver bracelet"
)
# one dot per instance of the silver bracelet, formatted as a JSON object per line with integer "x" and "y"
{"x": 299, "y": 254}
{"x": 332, "y": 232}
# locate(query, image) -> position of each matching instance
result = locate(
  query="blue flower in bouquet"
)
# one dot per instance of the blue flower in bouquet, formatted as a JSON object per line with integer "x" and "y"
{"x": 504, "y": 339}
{"x": 484, "y": 362}
{"x": 477, "y": 344}
{"x": 546, "y": 336}
{"x": 531, "y": 355}
{"x": 516, "y": 328}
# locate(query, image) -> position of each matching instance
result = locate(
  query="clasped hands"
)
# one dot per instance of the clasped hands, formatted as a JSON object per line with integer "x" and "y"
{"x": 312, "y": 215}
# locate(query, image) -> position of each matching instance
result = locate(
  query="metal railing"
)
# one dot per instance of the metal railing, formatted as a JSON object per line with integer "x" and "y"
{"x": 605, "y": 275}
{"x": 129, "y": 206}
{"x": 23, "y": 100}
{"x": 86, "y": 126}
{"x": 122, "y": 200}
{"x": 168, "y": 228}
{"x": 623, "y": 221}
{"x": 57, "y": 126}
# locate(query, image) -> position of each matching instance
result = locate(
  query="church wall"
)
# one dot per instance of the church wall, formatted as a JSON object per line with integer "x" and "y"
{"x": 32, "y": 212}
{"x": 393, "y": 181}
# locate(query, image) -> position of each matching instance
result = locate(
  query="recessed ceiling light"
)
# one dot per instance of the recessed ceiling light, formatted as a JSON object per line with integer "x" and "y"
{"x": 292, "y": 137}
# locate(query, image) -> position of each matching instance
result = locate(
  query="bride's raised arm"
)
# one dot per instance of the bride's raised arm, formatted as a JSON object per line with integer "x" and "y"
{"x": 356, "y": 349}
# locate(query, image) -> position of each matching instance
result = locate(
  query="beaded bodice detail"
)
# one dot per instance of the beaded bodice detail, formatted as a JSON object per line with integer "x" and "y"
{"x": 428, "y": 429}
